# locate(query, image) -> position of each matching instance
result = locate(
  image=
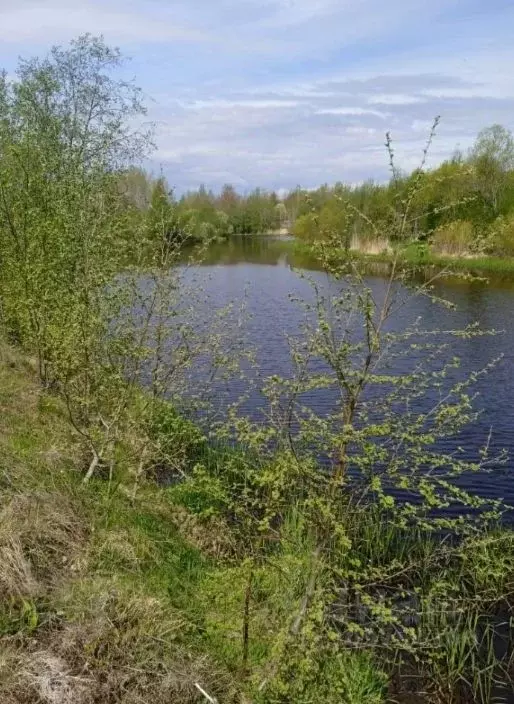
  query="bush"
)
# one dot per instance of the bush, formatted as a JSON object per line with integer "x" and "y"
{"x": 176, "y": 443}
{"x": 306, "y": 227}
{"x": 502, "y": 236}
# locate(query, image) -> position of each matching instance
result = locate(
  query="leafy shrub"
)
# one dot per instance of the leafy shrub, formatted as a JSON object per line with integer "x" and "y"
{"x": 502, "y": 236}
{"x": 176, "y": 442}
{"x": 306, "y": 227}
{"x": 320, "y": 676}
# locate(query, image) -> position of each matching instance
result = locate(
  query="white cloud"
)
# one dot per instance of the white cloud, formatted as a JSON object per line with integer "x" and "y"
{"x": 355, "y": 111}
{"x": 60, "y": 21}
{"x": 270, "y": 27}
{"x": 245, "y": 104}
{"x": 395, "y": 99}
{"x": 479, "y": 91}
{"x": 422, "y": 126}
{"x": 285, "y": 13}
{"x": 361, "y": 131}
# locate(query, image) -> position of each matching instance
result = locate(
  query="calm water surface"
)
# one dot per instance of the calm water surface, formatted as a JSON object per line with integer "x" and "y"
{"x": 264, "y": 273}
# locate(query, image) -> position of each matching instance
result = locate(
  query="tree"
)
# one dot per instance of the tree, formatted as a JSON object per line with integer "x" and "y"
{"x": 306, "y": 227}
{"x": 66, "y": 136}
{"x": 281, "y": 214}
{"x": 229, "y": 200}
{"x": 493, "y": 157}
{"x": 162, "y": 219}
{"x": 334, "y": 220}
{"x": 136, "y": 186}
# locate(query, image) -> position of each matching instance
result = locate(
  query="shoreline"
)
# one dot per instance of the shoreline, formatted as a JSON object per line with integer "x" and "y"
{"x": 471, "y": 265}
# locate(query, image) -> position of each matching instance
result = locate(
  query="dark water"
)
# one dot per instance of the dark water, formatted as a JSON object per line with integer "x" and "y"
{"x": 263, "y": 273}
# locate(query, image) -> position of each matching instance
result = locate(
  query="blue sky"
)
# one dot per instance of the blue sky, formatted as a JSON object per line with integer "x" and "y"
{"x": 284, "y": 92}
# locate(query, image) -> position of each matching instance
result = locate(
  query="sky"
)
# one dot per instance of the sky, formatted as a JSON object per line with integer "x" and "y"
{"x": 280, "y": 93}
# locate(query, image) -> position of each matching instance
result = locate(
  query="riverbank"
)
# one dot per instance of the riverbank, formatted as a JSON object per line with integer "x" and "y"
{"x": 87, "y": 572}
{"x": 473, "y": 264}
{"x": 107, "y": 595}
{"x": 111, "y": 595}
{"x": 413, "y": 256}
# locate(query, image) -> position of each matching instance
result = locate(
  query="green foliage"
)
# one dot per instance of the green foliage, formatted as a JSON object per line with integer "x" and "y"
{"x": 136, "y": 187}
{"x": 375, "y": 575}
{"x": 335, "y": 678}
{"x": 212, "y": 216}
{"x": 501, "y": 234}
{"x": 18, "y": 616}
{"x": 306, "y": 227}
{"x": 459, "y": 208}
{"x": 334, "y": 220}
{"x": 162, "y": 220}
{"x": 175, "y": 442}
{"x": 204, "y": 227}
{"x": 475, "y": 190}
{"x": 62, "y": 224}
{"x": 493, "y": 158}
{"x": 74, "y": 235}
{"x": 144, "y": 586}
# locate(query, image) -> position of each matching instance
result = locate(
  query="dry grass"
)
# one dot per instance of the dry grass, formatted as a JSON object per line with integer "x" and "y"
{"x": 455, "y": 239}
{"x": 115, "y": 645}
{"x": 123, "y": 549}
{"x": 19, "y": 391}
{"x": 370, "y": 246}
{"x": 210, "y": 535}
{"x": 40, "y": 536}
{"x": 47, "y": 678}
{"x": 104, "y": 639}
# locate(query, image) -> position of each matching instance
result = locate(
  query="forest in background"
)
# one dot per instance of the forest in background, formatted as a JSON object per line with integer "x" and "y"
{"x": 463, "y": 207}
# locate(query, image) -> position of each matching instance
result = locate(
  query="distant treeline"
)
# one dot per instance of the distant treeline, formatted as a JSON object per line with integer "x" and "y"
{"x": 463, "y": 207}
{"x": 203, "y": 214}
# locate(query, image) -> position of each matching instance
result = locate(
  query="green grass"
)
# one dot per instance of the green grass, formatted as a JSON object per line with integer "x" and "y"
{"x": 415, "y": 256}
{"x": 92, "y": 578}
{"x": 473, "y": 265}
{"x": 476, "y": 264}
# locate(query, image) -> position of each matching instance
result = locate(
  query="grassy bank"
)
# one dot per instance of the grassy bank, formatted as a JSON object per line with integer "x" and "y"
{"x": 415, "y": 257}
{"x": 110, "y": 597}
{"x": 475, "y": 264}
{"x": 86, "y": 612}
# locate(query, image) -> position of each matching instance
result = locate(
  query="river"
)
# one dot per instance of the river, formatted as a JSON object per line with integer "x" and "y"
{"x": 265, "y": 273}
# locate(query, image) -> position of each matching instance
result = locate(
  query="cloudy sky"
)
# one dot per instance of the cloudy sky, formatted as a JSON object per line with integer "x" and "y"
{"x": 284, "y": 92}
